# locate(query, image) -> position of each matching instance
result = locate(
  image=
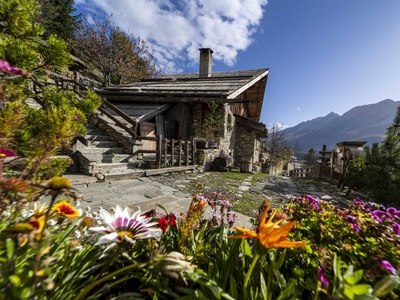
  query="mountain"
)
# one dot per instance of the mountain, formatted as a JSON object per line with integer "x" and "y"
{"x": 361, "y": 123}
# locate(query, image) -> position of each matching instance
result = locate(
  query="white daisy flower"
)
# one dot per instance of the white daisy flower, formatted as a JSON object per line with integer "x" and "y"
{"x": 125, "y": 227}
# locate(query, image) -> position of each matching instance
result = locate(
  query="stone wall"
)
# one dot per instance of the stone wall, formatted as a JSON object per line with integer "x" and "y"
{"x": 248, "y": 145}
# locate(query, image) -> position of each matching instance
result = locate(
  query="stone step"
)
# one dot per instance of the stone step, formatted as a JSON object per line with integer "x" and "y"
{"x": 123, "y": 174}
{"x": 98, "y": 137}
{"x": 94, "y": 132}
{"x": 91, "y": 151}
{"x": 110, "y": 158}
{"x": 108, "y": 167}
{"x": 103, "y": 144}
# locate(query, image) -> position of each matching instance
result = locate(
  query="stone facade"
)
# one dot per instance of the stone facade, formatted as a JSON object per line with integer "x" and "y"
{"x": 248, "y": 145}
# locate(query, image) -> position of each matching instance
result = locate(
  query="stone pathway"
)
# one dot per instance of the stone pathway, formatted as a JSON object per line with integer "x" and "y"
{"x": 174, "y": 192}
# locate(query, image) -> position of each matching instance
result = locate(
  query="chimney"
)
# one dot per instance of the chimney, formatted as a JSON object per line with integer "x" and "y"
{"x": 205, "y": 62}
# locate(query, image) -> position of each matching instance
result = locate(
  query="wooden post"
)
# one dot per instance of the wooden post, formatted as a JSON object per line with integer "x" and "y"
{"x": 76, "y": 78}
{"x": 165, "y": 152}
{"x": 187, "y": 152}
{"x": 172, "y": 152}
{"x": 180, "y": 154}
{"x": 194, "y": 159}
{"x": 158, "y": 151}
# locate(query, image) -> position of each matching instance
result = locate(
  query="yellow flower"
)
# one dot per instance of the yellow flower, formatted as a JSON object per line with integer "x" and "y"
{"x": 270, "y": 234}
{"x": 21, "y": 228}
{"x": 58, "y": 183}
{"x": 66, "y": 209}
{"x": 37, "y": 222}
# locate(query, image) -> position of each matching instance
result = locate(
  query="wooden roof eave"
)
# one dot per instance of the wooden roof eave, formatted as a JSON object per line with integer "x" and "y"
{"x": 247, "y": 85}
{"x": 257, "y": 127}
{"x": 170, "y": 99}
{"x": 154, "y": 112}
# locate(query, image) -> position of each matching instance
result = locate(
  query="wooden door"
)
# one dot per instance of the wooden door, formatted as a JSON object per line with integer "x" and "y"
{"x": 148, "y": 129}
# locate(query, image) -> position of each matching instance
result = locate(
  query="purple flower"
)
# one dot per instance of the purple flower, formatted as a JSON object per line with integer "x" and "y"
{"x": 396, "y": 228}
{"x": 391, "y": 211}
{"x": 351, "y": 219}
{"x": 6, "y": 68}
{"x": 323, "y": 277}
{"x": 356, "y": 227}
{"x": 6, "y": 153}
{"x": 386, "y": 265}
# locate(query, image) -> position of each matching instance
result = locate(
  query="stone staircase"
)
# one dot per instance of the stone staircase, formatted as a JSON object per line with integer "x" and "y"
{"x": 104, "y": 158}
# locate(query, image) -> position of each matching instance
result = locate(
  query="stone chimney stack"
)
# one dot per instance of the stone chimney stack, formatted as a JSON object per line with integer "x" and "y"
{"x": 205, "y": 62}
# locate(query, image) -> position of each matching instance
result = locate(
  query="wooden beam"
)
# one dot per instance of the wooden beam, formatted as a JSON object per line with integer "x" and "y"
{"x": 120, "y": 113}
{"x": 155, "y": 112}
{"x": 118, "y": 122}
{"x": 169, "y": 170}
{"x": 173, "y": 99}
{"x": 246, "y": 86}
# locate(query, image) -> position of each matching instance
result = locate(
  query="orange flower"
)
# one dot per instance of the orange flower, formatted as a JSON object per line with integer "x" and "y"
{"x": 66, "y": 209}
{"x": 37, "y": 222}
{"x": 14, "y": 185}
{"x": 270, "y": 234}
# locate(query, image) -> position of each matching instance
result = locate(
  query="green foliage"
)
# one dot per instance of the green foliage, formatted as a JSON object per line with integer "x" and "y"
{"x": 57, "y": 17}
{"x": 310, "y": 158}
{"x": 378, "y": 173}
{"x": 212, "y": 124}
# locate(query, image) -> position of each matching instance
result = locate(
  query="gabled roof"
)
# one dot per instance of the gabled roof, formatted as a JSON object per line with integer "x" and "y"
{"x": 246, "y": 86}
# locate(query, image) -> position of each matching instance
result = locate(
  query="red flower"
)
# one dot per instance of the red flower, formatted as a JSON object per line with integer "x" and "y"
{"x": 163, "y": 223}
{"x": 167, "y": 220}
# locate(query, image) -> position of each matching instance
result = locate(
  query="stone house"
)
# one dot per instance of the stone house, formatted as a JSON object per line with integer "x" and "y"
{"x": 175, "y": 107}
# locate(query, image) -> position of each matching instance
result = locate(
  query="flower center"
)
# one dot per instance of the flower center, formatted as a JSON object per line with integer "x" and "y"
{"x": 66, "y": 210}
{"x": 122, "y": 233}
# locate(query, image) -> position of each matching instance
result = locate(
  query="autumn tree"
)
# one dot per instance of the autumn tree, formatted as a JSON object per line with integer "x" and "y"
{"x": 278, "y": 149}
{"x": 120, "y": 57}
{"x": 58, "y": 17}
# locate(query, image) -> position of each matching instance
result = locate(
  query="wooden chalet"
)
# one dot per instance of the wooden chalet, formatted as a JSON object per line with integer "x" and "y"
{"x": 174, "y": 106}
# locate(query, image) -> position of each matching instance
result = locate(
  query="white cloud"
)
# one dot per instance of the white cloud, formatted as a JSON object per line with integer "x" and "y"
{"x": 298, "y": 108}
{"x": 277, "y": 125}
{"x": 177, "y": 29}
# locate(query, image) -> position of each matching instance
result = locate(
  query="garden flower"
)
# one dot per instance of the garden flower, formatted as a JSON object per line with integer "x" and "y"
{"x": 66, "y": 209}
{"x": 124, "y": 226}
{"x": 6, "y": 153}
{"x": 323, "y": 277}
{"x": 37, "y": 223}
{"x": 14, "y": 185}
{"x": 396, "y": 228}
{"x": 386, "y": 265}
{"x": 6, "y": 68}
{"x": 169, "y": 219}
{"x": 58, "y": 183}
{"x": 270, "y": 234}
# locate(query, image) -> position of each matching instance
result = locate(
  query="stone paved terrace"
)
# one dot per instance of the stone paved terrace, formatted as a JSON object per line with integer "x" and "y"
{"x": 174, "y": 191}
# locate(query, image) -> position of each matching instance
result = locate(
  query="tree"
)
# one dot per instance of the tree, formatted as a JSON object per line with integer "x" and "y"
{"x": 378, "y": 173}
{"x": 310, "y": 158}
{"x": 24, "y": 59}
{"x": 57, "y": 17}
{"x": 277, "y": 148}
{"x": 119, "y": 56}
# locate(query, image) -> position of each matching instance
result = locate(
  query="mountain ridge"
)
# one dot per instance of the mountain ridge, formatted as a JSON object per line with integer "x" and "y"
{"x": 360, "y": 123}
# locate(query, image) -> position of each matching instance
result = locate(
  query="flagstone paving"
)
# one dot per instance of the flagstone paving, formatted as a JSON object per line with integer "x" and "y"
{"x": 174, "y": 191}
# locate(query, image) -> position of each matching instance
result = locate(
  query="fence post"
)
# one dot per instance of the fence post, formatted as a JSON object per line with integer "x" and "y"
{"x": 158, "y": 151}
{"x": 165, "y": 152}
{"x": 180, "y": 153}
{"x": 187, "y": 152}
{"x": 194, "y": 160}
{"x": 172, "y": 152}
{"x": 76, "y": 78}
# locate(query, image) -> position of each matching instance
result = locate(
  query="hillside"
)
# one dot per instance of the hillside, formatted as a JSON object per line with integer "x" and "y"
{"x": 361, "y": 123}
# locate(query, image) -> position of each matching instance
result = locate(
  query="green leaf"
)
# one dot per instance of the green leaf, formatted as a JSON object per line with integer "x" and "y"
{"x": 354, "y": 277}
{"x": 246, "y": 248}
{"x": 386, "y": 285}
{"x": 233, "y": 287}
{"x": 347, "y": 293}
{"x": 15, "y": 280}
{"x": 360, "y": 289}
{"x": 10, "y": 247}
{"x": 280, "y": 278}
{"x": 264, "y": 290}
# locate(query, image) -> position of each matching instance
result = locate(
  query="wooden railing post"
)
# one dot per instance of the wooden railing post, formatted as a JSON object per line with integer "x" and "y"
{"x": 165, "y": 152}
{"x": 158, "y": 153}
{"x": 172, "y": 152}
{"x": 187, "y": 152}
{"x": 180, "y": 153}
{"x": 194, "y": 151}
{"x": 76, "y": 78}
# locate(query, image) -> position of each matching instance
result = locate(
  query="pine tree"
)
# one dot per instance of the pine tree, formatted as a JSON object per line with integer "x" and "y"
{"x": 57, "y": 17}
{"x": 379, "y": 172}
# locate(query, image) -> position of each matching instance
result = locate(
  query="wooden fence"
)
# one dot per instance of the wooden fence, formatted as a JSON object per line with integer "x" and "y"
{"x": 171, "y": 153}
{"x": 302, "y": 171}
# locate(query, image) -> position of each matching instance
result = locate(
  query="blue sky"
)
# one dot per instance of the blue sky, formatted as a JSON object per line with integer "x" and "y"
{"x": 323, "y": 55}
